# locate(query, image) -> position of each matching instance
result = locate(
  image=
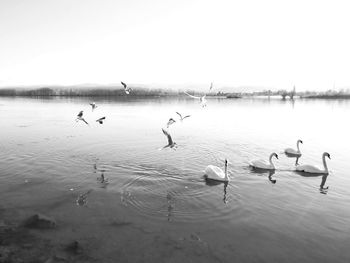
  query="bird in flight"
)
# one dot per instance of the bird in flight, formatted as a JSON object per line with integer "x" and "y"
{"x": 93, "y": 106}
{"x": 171, "y": 121}
{"x": 182, "y": 118}
{"x": 171, "y": 143}
{"x": 202, "y": 100}
{"x": 126, "y": 88}
{"x": 100, "y": 120}
{"x": 80, "y": 117}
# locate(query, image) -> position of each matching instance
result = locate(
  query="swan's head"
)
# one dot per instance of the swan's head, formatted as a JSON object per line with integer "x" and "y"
{"x": 327, "y": 155}
{"x": 300, "y": 141}
{"x": 226, "y": 162}
{"x": 275, "y": 154}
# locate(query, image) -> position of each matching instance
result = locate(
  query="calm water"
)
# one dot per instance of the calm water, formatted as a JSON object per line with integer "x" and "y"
{"x": 156, "y": 206}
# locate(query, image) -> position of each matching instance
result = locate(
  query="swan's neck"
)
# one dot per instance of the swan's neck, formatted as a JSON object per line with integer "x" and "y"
{"x": 226, "y": 175}
{"x": 325, "y": 164}
{"x": 270, "y": 159}
{"x": 298, "y": 146}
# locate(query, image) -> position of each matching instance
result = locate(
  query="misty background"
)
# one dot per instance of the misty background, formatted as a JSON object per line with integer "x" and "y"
{"x": 175, "y": 44}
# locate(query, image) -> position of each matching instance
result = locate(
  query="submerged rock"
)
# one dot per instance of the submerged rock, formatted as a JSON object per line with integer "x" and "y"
{"x": 40, "y": 221}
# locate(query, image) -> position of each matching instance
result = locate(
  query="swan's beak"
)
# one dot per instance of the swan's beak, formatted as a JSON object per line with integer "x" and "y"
{"x": 329, "y": 156}
{"x": 276, "y": 156}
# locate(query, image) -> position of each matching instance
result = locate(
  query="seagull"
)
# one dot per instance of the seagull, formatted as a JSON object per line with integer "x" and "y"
{"x": 211, "y": 86}
{"x": 182, "y": 118}
{"x": 171, "y": 121}
{"x": 100, "y": 120}
{"x": 126, "y": 88}
{"x": 202, "y": 99}
{"x": 171, "y": 143}
{"x": 80, "y": 117}
{"x": 93, "y": 106}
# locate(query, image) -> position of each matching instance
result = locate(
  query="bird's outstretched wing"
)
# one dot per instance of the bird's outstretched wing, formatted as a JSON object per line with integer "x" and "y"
{"x": 101, "y": 119}
{"x": 186, "y": 116}
{"x": 179, "y": 115}
{"x": 82, "y": 119}
{"x": 170, "y": 141}
{"x": 124, "y": 85}
{"x": 192, "y": 96}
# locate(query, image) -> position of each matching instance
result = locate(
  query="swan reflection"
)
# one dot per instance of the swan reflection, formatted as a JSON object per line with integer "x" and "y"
{"x": 211, "y": 182}
{"x": 264, "y": 171}
{"x": 324, "y": 190}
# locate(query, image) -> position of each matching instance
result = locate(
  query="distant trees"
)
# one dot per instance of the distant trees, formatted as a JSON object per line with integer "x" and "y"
{"x": 144, "y": 92}
{"x": 88, "y": 92}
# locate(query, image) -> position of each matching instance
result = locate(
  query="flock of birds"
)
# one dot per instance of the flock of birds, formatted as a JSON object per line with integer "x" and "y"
{"x": 216, "y": 173}
{"x": 93, "y": 105}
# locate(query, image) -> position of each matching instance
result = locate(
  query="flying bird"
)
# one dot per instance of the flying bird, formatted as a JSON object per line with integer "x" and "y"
{"x": 126, "y": 88}
{"x": 171, "y": 121}
{"x": 93, "y": 106}
{"x": 211, "y": 86}
{"x": 100, "y": 120}
{"x": 202, "y": 100}
{"x": 171, "y": 143}
{"x": 80, "y": 117}
{"x": 182, "y": 118}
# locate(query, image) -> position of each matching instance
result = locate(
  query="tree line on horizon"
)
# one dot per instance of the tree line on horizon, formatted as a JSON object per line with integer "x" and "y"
{"x": 118, "y": 92}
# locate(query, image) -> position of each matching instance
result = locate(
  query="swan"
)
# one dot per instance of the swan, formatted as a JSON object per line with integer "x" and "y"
{"x": 306, "y": 168}
{"x": 262, "y": 164}
{"x": 215, "y": 173}
{"x": 292, "y": 151}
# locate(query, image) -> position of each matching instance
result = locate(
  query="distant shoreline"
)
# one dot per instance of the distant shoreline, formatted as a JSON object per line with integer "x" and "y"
{"x": 138, "y": 92}
{"x": 327, "y": 97}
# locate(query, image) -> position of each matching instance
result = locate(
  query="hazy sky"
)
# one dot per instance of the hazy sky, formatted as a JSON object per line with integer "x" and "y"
{"x": 253, "y": 42}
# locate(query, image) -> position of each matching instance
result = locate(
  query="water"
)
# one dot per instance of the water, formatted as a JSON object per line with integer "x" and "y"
{"x": 155, "y": 206}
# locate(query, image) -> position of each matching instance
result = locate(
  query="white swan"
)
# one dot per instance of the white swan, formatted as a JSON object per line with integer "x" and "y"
{"x": 306, "y": 168}
{"x": 292, "y": 151}
{"x": 262, "y": 164}
{"x": 215, "y": 173}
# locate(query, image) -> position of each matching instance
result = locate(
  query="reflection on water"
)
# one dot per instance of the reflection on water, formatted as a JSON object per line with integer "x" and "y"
{"x": 323, "y": 189}
{"x": 260, "y": 171}
{"x": 211, "y": 182}
{"x": 273, "y": 181}
{"x": 82, "y": 198}
{"x": 116, "y": 172}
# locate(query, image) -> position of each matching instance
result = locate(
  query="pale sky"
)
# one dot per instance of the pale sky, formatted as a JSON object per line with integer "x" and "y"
{"x": 274, "y": 44}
